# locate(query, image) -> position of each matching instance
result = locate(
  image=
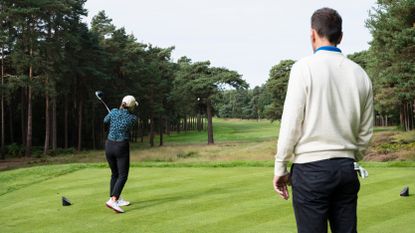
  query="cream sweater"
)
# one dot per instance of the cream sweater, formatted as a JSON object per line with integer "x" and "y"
{"x": 328, "y": 111}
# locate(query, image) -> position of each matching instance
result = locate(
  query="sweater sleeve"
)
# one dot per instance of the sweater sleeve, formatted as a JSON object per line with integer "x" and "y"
{"x": 292, "y": 119}
{"x": 366, "y": 123}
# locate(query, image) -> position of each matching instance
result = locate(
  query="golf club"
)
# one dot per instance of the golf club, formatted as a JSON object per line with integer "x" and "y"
{"x": 99, "y": 95}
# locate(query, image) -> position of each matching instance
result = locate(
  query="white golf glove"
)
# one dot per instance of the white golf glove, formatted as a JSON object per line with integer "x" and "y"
{"x": 362, "y": 172}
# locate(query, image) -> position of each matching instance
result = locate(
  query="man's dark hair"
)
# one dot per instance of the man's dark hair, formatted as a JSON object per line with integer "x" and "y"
{"x": 328, "y": 23}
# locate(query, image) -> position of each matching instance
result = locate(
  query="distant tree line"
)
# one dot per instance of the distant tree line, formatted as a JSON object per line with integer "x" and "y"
{"x": 262, "y": 102}
{"x": 52, "y": 63}
{"x": 389, "y": 62}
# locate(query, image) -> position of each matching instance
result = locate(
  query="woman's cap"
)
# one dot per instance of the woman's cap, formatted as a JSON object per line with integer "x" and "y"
{"x": 129, "y": 101}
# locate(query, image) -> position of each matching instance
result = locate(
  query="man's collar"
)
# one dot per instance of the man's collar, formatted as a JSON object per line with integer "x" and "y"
{"x": 328, "y": 48}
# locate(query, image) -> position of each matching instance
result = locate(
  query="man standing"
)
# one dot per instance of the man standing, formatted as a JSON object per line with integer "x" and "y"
{"x": 327, "y": 121}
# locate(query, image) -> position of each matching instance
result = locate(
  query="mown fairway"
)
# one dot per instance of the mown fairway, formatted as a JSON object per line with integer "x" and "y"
{"x": 231, "y": 130}
{"x": 238, "y": 199}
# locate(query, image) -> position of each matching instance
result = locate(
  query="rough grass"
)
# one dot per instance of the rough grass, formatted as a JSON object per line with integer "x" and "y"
{"x": 390, "y": 144}
{"x": 180, "y": 199}
{"x": 234, "y": 140}
{"x": 242, "y": 140}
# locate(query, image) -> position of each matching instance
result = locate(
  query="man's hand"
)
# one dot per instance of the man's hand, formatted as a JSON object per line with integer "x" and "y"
{"x": 280, "y": 185}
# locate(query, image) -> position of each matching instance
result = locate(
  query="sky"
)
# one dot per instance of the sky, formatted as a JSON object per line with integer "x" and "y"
{"x": 248, "y": 36}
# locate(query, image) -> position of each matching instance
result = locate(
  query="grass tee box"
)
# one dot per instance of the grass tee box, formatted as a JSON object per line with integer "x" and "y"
{"x": 179, "y": 199}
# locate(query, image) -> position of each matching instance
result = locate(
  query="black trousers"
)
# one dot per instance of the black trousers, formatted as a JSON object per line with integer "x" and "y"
{"x": 325, "y": 191}
{"x": 118, "y": 157}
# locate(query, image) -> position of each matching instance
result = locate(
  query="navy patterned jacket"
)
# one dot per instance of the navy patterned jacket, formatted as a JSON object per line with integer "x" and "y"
{"x": 120, "y": 121}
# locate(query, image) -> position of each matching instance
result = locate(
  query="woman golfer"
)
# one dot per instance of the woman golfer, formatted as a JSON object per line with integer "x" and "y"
{"x": 117, "y": 149}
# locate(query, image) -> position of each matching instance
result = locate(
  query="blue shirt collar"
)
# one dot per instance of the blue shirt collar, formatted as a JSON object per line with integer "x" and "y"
{"x": 329, "y": 48}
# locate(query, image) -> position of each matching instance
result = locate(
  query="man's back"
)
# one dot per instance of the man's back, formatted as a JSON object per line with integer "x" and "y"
{"x": 337, "y": 91}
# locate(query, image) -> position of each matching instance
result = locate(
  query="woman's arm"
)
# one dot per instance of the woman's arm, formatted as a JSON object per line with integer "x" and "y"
{"x": 107, "y": 118}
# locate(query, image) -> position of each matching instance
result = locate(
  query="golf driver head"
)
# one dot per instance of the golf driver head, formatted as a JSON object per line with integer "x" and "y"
{"x": 99, "y": 94}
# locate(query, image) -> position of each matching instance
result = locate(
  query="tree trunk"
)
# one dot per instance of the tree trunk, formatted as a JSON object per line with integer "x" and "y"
{"x": 47, "y": 99}
{"x": 47, "y": 122}
{"x": 401, "y": 120}
{"x": 93, "y": 128}
{"x": 410, "y": 116}
{"x": 66, "y": 122}
{"x": 409, "y": 113}
{"x": 210, "y": 125}
{"x": 198, "y": 122}
{"x": 141, "y": 131}
{"x": 136, "y": 129}
{"x": 73, "y": 118}
{"x": 161, "y": 130}
{"x": 151, "y": 131}
{"x": 2, "y": 151}
{"x": 29, "y": 113}
{"x": 79, "y": 146}
{"x": 11, "y": 124}
{"x": 168, "y": 126}
{"x": 258, "y": 117}
{"x": 405, "y": 114}
{"x": 23, "y": 116}
{"x": 28, "y": 151}
{"x": 54, "y": 124}
{"x": 185, "y": 124}
{"x": 382, "y": 121}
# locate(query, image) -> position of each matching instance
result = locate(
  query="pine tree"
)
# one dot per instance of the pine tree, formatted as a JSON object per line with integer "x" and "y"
{"x": 393, "y": 51}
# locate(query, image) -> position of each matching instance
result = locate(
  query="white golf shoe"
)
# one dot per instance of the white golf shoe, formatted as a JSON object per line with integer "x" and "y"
{"x": 122, "y": 202}
{"x": 114, "y": 205}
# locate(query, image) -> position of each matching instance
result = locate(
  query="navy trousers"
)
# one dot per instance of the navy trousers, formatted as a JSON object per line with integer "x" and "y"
{"x": 325, "y": 191}
{"x": 118, "y": 157}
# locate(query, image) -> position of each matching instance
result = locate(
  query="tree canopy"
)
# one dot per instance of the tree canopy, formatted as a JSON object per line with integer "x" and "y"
{"x": 52, "y": 63}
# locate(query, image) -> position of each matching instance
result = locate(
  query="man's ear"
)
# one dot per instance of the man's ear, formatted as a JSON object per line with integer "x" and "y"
{"x": 340, "y": 39}
{"x": 313, "y": 35}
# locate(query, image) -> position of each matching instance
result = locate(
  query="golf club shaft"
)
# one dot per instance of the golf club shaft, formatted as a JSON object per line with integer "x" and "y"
{"x": 105, "y": 105}
{"x": 99, "y": 95}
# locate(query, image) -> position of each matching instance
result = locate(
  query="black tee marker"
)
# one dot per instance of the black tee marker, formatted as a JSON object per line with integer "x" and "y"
{"x": 405, "y": 192}
{"x": 65, "y": 201}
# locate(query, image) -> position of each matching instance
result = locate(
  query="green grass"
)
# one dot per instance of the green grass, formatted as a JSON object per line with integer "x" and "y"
{"x": 226, "y": 130}
{"x": 188, "y": 186}
{"x": 184, "y": 199}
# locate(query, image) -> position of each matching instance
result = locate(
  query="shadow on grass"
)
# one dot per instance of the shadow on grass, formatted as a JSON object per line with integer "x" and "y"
{"x": 139, "y": 205}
